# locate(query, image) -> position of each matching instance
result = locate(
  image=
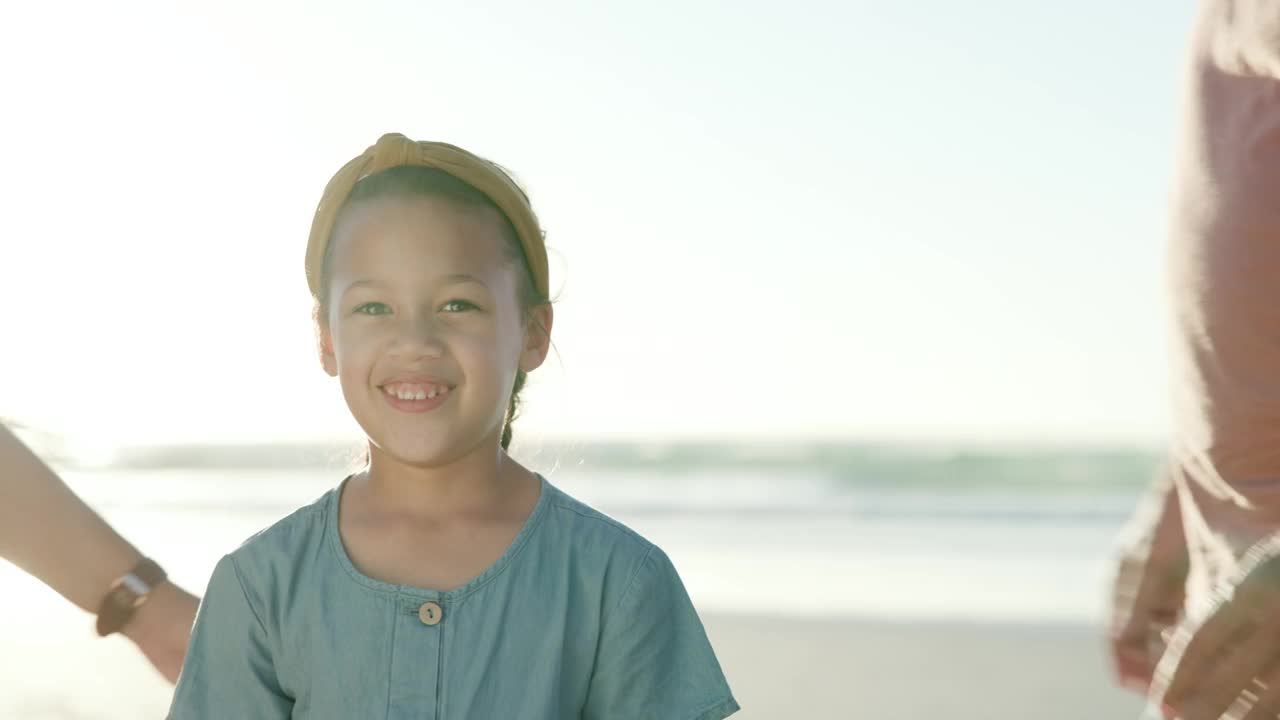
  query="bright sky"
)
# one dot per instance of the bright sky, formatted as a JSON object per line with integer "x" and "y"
{"x": 853, "y": 220}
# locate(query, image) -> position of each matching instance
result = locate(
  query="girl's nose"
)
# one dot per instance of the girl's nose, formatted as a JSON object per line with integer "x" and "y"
{"x": 419, "y": 336}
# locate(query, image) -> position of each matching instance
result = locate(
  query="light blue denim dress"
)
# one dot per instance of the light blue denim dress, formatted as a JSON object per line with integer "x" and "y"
{"x": 581, "y": 617}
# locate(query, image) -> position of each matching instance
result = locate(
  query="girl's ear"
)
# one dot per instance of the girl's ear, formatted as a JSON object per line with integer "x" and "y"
{"x": 324, "y": 343}
{"x": 537, "y": 338}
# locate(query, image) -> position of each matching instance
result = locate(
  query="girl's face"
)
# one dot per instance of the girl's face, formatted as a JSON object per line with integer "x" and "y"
{"x": 424, "y": 329}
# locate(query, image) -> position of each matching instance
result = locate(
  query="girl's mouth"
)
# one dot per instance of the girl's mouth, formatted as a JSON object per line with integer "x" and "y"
{"x": 415, "y": 397}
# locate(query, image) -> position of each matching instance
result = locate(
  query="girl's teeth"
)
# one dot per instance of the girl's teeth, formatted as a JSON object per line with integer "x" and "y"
{"x": 406, "y": 394}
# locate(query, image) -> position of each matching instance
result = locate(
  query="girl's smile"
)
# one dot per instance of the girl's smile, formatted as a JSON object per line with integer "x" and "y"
{"x": 416, "y": 395}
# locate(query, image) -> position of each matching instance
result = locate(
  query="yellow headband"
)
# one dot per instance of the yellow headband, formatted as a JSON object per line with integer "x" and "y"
{"x": 394, "y": 150}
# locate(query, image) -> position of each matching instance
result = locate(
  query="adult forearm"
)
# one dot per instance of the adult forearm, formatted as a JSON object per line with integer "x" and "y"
{"x": 48, "y": 531}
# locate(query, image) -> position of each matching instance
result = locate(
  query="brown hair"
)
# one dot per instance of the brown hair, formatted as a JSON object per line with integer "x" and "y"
{"x": 410, "y": 181}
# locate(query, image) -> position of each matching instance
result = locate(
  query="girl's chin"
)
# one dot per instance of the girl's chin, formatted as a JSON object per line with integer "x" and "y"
{"x": 417, "y": 457}
{"x": 412, "y": 452}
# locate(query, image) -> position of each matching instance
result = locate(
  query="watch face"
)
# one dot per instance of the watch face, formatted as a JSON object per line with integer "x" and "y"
{"x": 128, "y": 593}
{"x": 135, "y": 584}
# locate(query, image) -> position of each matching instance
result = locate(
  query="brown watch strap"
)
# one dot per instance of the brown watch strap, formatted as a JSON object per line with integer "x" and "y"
{"x": 127, "y": 594}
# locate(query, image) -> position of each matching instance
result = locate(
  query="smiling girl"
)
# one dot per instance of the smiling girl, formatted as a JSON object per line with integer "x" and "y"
{"x": 445, "y": 580}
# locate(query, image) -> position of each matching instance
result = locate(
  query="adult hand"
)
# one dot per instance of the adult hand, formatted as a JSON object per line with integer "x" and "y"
{"x": 161, "y": 627}
{"x": 1229, "y": 659}
{"x": 1148, "y": 591}
{"x": 1146, "y": 602}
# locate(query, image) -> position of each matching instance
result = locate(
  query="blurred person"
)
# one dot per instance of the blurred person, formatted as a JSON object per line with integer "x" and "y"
{"x": 1196, "y": 616}
{"x": 49, "y": 532}
{"x": 444, "y": 578}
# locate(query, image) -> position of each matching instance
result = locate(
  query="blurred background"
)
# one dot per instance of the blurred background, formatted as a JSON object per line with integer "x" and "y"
{"x": 860, "y": 307}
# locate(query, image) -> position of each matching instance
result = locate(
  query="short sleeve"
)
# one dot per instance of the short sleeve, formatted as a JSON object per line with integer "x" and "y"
{"x": 654, "y": 660}
{"x": 228, "y": 670}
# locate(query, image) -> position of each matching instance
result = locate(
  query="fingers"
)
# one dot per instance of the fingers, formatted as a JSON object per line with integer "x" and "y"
{"x": 1146, "y": 601}
{"x": 1226, "y": 681}
{"x": 1135, "y": 650}
{"x": 1262, "y": 697}
{"x": 1192, "y": 652}
{"x": 1132, "y": 665}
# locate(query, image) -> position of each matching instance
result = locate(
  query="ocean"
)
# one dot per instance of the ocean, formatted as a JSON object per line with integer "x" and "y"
{"x": 829, "y": 530}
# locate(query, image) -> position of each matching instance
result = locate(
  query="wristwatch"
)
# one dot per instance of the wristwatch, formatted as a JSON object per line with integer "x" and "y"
{"x": 127, "y": 594}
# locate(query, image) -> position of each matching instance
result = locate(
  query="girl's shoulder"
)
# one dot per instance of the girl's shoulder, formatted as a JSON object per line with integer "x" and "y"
{"x": 283, "y": 543}
{"x": 602, "y": 546}
{"x": 575, "y": 518}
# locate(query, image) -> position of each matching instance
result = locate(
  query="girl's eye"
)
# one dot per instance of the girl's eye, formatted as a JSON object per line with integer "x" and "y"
{"x": 455, "y": 306}
{"x": 373, "y": 308}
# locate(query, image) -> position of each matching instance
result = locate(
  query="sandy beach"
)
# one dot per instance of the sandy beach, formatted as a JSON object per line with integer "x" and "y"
{"x": 54, "y": 668}
{"x": 802, "y": 668}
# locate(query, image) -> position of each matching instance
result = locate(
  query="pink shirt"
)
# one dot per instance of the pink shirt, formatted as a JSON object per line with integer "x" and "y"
{"x": 1224, "y": 270}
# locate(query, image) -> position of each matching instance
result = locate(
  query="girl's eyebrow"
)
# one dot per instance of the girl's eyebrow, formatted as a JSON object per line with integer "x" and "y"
{"x": 457, "y": 278}
{"x": 365, "y": 282}
{"x": 451, "y": 279}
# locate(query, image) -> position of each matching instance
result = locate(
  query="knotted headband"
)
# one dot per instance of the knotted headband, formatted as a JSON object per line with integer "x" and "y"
{"x": 395, "y": 150}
